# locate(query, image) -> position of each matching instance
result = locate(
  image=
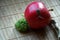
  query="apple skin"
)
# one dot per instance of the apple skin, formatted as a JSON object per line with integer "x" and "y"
{"x": 37, "y": 15}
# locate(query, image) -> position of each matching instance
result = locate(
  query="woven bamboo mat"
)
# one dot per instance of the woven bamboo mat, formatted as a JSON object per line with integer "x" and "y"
{"x": 10, "y": 12}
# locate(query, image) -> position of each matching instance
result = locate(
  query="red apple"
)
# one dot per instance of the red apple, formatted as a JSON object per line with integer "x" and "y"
{"x": 37, "y": 15}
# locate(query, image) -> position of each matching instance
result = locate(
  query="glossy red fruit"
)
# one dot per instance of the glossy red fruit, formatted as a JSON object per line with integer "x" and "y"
{"x": 37, "y": 15}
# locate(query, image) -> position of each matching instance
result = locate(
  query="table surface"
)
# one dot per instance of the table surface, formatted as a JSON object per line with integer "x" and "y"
{"x": 10, "y": 13}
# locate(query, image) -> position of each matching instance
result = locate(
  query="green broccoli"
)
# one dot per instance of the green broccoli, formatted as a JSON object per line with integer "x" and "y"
{"x": 22, "y": 25}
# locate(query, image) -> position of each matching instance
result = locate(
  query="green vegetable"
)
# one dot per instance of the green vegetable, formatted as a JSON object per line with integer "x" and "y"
{"x": 22, "y": 25}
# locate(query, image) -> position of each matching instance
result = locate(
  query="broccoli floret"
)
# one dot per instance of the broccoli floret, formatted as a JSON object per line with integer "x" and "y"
{"x": 22, "y": 25}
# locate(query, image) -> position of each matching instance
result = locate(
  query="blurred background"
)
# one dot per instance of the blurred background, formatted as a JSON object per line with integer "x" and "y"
{"x": 10, "y": 13}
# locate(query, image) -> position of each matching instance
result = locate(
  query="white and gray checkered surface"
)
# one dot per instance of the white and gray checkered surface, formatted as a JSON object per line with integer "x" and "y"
{"x": 10, "y": 11}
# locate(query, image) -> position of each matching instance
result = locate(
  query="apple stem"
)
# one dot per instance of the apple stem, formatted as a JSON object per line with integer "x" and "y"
{"x": 39, "y": 15}
{"x": 50, "y": 10}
